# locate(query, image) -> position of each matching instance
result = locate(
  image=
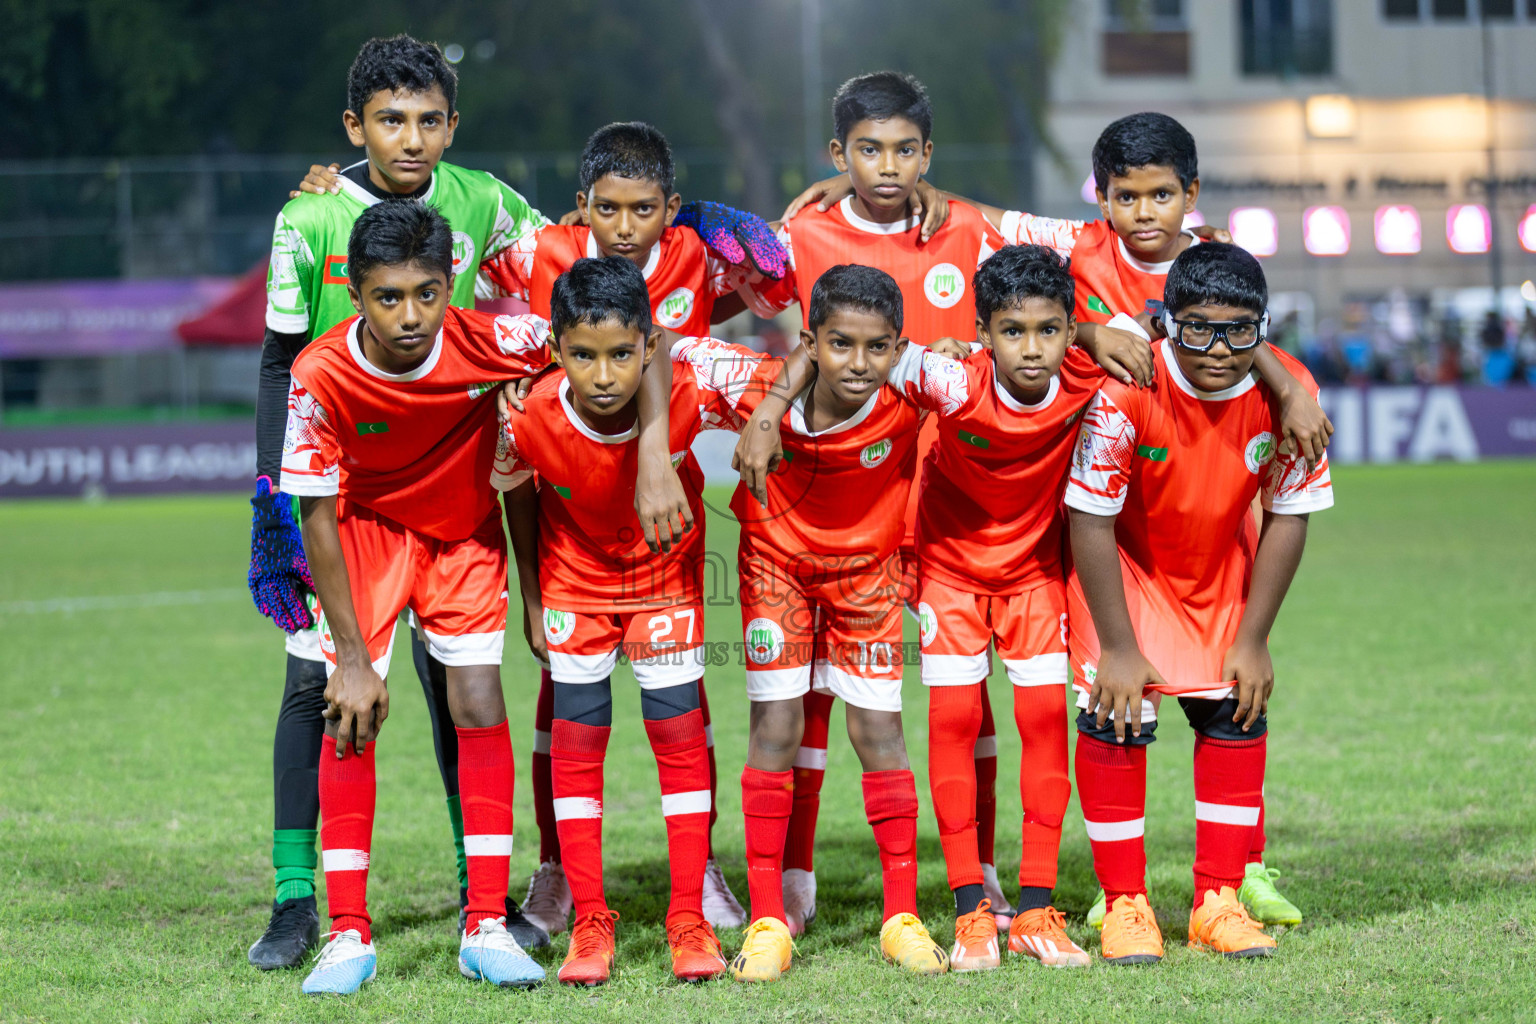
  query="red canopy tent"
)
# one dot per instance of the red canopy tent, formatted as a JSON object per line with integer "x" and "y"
{"x": 237, "y": 319}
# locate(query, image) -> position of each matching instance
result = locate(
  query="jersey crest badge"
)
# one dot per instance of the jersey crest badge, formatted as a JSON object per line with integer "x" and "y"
{"x": 674, "y": 310}
{"x": 1260, "y": 451}
{"x": 463, "y": 253}
{"x": 944, "y": 285}
{"x": 876, "y": 453}
{"x": 927, "y": 623}
{"x": 765, "y": 639}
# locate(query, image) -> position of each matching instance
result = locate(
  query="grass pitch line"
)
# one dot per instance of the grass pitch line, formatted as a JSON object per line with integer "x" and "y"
{"x": 118, "y": 602}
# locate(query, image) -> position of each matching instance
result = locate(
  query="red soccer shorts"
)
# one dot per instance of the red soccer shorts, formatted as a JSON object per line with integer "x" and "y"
{"x": 665, "y": 646}
{"x": 1029, "y": 629}
{"x": 457, "y": 589}
{"x": 835, "y": 628}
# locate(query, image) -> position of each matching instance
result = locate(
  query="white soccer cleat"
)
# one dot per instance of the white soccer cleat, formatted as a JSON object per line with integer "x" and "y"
{"x": 492, "y": 954}
{"x": 345, "y": 965}
{"x": 799, "y": 899}
{"x": 549, "y": 903}
{"x": 1002, "y": 911}
{"x": 721, "y": 908}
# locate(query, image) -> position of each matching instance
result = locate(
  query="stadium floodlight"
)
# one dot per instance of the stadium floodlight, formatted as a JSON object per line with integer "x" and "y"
{"x": 1330, "y": 117}
{"x": 1528, "y": 229}
{"x": 1255, "y": 229}
{"x": 1398, "y": 231}
{"x": 1325, "y": 230}
{"x": 1468, "y": 228}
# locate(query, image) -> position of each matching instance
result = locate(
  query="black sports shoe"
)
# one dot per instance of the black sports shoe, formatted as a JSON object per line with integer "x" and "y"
{"x": 293, "y": 930}
{"x": 527, "y": 934}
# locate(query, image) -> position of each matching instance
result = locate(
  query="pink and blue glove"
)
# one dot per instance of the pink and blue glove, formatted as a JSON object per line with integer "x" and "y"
{"x": 279, "y": 575}
{"x": 741, "y": 239}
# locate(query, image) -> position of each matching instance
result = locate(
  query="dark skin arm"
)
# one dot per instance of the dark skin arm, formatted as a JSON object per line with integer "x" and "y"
{"x": 1246, "y": 662}
{"x": 1302, "y": 421}
{"x": 1123, "y": 672}
{"x": 523, "y": 526}
{"x": 660, "y": 501}
{"x": 759, "y": 450}
{"x": 356, "y": 699}
{"x": 1124, "y": 356}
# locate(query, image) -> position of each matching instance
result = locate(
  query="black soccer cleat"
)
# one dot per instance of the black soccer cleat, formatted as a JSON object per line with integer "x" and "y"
{"x": 527, "y": 934}
{"x": 291, "y": 933}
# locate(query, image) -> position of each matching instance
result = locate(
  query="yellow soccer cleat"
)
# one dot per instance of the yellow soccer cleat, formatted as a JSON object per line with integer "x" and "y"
{"x": 765, "y": 952}
{"x": 905, "y": 942}
{"x": 1222, "y": 924}
{"x": 1131, "y": 935}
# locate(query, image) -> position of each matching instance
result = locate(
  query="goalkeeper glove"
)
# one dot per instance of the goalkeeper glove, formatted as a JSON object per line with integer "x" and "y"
{"x": 741, "y": 239}
{"x": 279, "y": 575}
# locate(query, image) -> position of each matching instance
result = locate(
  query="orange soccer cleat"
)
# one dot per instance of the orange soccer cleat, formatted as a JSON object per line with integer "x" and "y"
{"x": 1221, "y": 923}
{"x": 695, "y": 951}
{"x": 589, "y": 961}
{"x": 1130, "y": 933}
{"x": 1042, "y": 934}
{"x": 975, "y": 941}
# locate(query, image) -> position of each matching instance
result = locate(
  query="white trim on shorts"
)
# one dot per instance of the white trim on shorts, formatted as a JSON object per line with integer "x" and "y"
{"x": 582, "y": 668}
{"x": 672, "y": 668}
{"x": 466, "y": 648}
{"x": 380, "y": 664}
{"x": 1148, "y": 709}
{"x": 765, "y": 684}
{"x": 1041, "y": 670}
{"x": 955, "y": 669}
{"x": 859, "y": 691}
{"x": 304, "y": 644}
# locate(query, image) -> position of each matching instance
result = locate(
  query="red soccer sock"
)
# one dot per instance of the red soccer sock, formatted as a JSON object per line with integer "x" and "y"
{"x": 954, "y": 716}
{"x": 986, "y": 782}
{"x": 543, "y": 791}
{"x": 347, "y": 793}
{"x": 1041, "y": 715}
{"x": 576, "y": 754}
{"x": 1229, "y": 778}
{"x": 767, "y": 799}
{"x": 486, "y": 781}
{"x": 810, "y": 766}
{"x": 709, "y": 749}
{"x": 1256, "y": 847}
{"x": 1112, "y": 787}
{"x": 682, "y": 765}
{"x": 890, "y": 804}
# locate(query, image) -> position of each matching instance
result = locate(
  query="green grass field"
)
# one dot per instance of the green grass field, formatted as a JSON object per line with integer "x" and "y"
{"x": 139, "y": 688}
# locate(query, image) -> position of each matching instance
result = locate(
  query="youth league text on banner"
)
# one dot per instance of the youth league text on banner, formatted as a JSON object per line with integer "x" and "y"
{"x": 136, "y": 458}
{"x": 1428, "y": 424}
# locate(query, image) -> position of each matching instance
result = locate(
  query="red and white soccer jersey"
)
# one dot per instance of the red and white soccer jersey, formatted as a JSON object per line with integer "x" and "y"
{"x": 820, "y": 585}
{"x": 407, "y": 456}
{"x": 1179, "y": 468}
{"x": 1109, "y": 279}
{"x": 989, "y": 535}
{"x": 415, "y": 447}
{"x": 603, "y": 588}
{"x": 683, "y": 278}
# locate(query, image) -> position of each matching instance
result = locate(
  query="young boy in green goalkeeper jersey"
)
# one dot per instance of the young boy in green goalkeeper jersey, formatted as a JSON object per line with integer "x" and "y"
{"x": 401, "y": 112}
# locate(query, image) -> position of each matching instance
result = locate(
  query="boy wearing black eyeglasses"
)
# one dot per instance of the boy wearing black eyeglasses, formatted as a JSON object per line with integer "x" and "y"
{"x": 1173, "y": 593}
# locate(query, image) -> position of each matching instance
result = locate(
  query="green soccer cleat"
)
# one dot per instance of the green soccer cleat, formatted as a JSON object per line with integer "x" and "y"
{"x": 1259, "y": 893}
{"x": 1096, "y": 912}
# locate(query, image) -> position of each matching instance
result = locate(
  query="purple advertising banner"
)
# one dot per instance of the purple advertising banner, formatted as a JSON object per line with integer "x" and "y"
{"x": 1428, "y": 424}
{"x": 93, "y": 318}
{"x": 130, "y": 458}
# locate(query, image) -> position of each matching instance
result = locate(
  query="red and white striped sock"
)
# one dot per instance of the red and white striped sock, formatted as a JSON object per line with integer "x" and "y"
{"x": 683, "y": 769}
{"x": 810, "y": 767}
{"x": 543, "y": 791}
{"x": 890, "y": 804}
{"x": 954, "y": 718}
{"x": 1112, "y": 787}
{"x": 1229, "y": 777}
{"x": 347, "y": 793}
{"x": 487, "y": 777}
{"x": 767, "y": 798}
{"x": 1041, "y": 715}
{"x": 576, "y": 753}
{"x": 986, "y": 782}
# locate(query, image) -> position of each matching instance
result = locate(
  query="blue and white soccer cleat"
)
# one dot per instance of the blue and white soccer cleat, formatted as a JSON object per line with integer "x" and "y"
{"x": 345, "y": 965}
{"x": 492, "y": 954}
